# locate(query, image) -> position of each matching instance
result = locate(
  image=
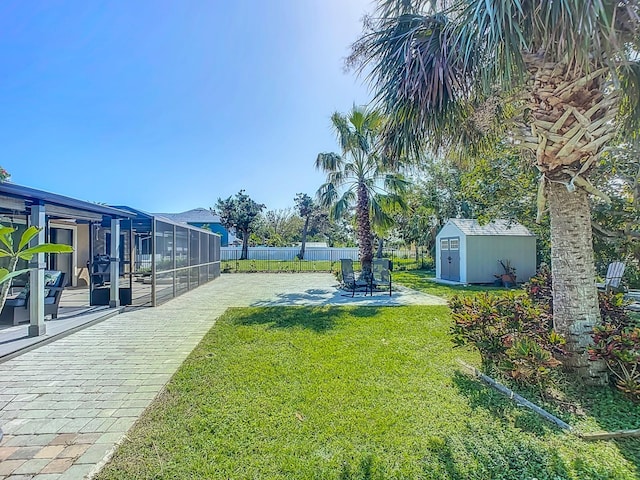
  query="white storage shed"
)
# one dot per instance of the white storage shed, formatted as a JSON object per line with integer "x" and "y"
{"x": 467, "y": 252}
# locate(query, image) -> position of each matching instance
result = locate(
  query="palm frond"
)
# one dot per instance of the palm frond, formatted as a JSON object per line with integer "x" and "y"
{"x": 343, "y": 131}
{"x": 329, "y": 162}
{"x": 380, "y": 216}
{"x": 630, "y": 108}
{"x": 327, "y": 194}
{"x": 338, "y": 177}
{"x": 432, "y": 69}
{"x": 341, "y": 206}
{"x": 396, "y": 183}
{"x": 419, "y": 76}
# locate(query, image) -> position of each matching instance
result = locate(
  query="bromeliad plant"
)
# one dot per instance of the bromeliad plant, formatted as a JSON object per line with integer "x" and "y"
{"x": 22, "y": 252}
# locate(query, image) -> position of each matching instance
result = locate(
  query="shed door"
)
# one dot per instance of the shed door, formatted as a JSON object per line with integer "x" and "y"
{"x": 450, "y": 258}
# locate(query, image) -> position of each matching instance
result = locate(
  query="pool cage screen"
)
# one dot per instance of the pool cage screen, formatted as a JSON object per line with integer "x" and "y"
{"x": 158, "y": 260}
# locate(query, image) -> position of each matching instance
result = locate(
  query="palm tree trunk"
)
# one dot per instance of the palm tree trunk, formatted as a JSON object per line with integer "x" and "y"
{"x": 364, "y": 231}
{"x": 575, "y": 298}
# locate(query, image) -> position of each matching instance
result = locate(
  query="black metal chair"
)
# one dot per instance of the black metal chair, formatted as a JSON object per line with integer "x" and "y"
{"x": 349, "y": 280}
{"x": 381, "y": 273}
{"x": 16, "y": 310}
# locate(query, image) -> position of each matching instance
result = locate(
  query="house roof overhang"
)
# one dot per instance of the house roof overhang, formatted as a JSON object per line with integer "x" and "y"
{"x": 19, "y": 199}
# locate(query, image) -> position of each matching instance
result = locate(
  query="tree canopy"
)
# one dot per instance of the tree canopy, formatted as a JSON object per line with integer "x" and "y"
{"x": 239, "y": 213}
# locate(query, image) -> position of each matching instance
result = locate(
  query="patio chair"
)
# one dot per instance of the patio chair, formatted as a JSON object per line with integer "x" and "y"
{"x": 349, "y": 279}
{"x": 381, "y": 270}
{"x": 16, "y": 310}
{"x": 613, "y": 278}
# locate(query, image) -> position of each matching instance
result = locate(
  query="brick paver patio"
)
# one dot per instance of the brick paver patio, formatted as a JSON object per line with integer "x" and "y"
{"x": 66, "y": 405}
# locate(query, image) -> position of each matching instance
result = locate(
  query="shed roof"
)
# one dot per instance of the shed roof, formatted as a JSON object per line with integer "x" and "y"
{"x": 195, "y": 215}
{"x": 471, "y": 227}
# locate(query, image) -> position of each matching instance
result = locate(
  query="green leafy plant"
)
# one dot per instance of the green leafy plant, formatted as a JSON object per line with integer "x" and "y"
{"x": 617, "y": 342}
{"x": 512, "y": 334}
{"x": 22, "y": 252}
{"x": 616, "y": 339}
{"x": 540, "y": 289}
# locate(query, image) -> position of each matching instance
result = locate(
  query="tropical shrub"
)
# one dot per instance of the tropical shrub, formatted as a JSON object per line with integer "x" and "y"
{"x": 617, "y": 342}
{"x": 616, "y": 339}
{"x": 540, "y": 289}
{"x": 512, "y": 334}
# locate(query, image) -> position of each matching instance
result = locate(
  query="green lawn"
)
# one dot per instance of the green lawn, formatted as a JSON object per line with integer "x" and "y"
{"x": 422, "y": 280}
{"x": 247, "y": 266}
{"x": 355, "y": 393}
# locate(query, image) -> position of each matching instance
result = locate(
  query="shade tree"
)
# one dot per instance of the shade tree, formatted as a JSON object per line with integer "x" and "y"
{"x": 240, "y": 213}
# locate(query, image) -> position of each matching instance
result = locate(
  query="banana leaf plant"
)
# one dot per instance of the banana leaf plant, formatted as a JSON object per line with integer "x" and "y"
{"x": 22, "y": 252}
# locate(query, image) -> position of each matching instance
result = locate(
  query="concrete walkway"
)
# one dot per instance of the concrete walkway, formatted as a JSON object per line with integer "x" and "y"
{"x": 65, "y": 406}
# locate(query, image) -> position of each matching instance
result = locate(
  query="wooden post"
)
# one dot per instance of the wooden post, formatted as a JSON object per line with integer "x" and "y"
{"x": 611, "y": 435}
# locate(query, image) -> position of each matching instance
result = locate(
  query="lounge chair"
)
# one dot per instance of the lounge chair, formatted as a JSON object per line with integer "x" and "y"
{"x": 381, "y": 270}
{"x": 349, "y": 279}
{"x": 16, "y": 310}
{"x": 613, "y": 278}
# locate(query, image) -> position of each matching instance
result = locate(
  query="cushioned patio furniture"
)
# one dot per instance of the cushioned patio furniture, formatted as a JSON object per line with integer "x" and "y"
{"x": 613, "y": 278}
{"x": 16, "y": 310}
{"x": 381, "y": 274}
{"x": 349, "y": 280}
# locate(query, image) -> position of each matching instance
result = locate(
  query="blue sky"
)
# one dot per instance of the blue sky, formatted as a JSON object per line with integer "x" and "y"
{"x": 168, "y": 105}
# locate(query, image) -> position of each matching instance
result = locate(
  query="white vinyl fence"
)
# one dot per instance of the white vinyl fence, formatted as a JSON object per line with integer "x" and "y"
{"x": 290, "y": 253}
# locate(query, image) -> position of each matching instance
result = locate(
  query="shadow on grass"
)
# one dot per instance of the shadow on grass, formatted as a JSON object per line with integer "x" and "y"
{"x": 319, "y": 319}
{"x": 610, "y": 410}
{"x": 480, "y": 454}
{"x": 483, "y": 396}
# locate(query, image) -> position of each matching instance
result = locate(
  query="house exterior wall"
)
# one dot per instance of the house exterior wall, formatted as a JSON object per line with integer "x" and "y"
{"x": 82, "y": 255}
{"x": 215, "y": 228}
{"x": 483, "y": 253}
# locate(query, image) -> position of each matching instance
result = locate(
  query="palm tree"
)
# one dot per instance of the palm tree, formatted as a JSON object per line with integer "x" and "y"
{"x": 359, "y": 176}
{"x": 559, "y": 78}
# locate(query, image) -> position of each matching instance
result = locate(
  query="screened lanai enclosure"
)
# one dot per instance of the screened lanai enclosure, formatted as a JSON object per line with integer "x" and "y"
{"x": 121, "y": 256}
{"x": 159, "y": 259}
